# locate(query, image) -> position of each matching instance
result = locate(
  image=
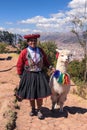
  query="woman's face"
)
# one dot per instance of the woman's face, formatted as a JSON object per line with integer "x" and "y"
{"x": 32, "y": 42}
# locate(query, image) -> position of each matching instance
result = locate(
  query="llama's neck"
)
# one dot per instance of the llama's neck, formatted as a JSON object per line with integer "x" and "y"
{"x": 61, "y": 67}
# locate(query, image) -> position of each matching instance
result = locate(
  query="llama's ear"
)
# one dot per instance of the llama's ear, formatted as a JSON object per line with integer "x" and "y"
{"x": 58, "y": 50}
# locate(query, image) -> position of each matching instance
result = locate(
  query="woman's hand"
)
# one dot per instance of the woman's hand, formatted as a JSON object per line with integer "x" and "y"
{"x": 20, "y": 76}
{"x": 52, "y": 69}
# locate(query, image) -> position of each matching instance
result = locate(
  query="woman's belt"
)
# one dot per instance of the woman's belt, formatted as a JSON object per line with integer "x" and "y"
{"x": 32, "y": 68}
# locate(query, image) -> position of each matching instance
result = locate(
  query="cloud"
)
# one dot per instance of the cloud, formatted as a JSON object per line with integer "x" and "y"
{"x": 77, "y": 7}
{"x": 42, "y": 23}
{"x": 37, "y": 19}
{"x": 2, "y": 29}
{"x": 59, "y": 21}
{"x": 19, "y": 30}
{"x": 58, "y": 15}
{"x": 77, "y": 4}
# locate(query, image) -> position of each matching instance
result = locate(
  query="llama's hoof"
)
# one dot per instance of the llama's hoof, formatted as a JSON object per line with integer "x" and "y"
{"x": 40, "y": 115}
{"x": 52, "y": 110}
{"x": 60, "y": 110}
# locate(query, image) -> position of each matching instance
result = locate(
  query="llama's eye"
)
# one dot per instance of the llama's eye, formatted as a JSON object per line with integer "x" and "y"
{"x": 68, "y": 57}
{"x": 62, "y": 55}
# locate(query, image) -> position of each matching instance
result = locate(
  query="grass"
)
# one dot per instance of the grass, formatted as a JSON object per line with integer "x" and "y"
{"x": 14, "y": 54}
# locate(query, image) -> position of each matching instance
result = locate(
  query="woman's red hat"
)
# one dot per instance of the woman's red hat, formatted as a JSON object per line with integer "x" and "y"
{"x": 31, "y": 36}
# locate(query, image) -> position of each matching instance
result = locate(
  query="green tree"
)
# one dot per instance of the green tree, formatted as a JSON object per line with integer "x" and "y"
{"x": 21, "y": 45}
{"x": 50, "y": 49}
{"x": 80, "y": 30}
{"x": 8, "y": 37}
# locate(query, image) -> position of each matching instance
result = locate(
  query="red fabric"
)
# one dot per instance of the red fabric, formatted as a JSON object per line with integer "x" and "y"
{"x": 67, "y": 80}
{"x": 30, "y": 36}
{"x": 22, "y": 60}
{"x": 57, "y": 54}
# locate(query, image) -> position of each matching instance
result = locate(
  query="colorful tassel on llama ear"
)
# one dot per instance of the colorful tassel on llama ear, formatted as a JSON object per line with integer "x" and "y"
{"x": 57, "y": 54}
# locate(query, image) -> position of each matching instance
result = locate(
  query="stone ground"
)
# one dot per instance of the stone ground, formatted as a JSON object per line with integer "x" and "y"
{"x": 74, "y": 116}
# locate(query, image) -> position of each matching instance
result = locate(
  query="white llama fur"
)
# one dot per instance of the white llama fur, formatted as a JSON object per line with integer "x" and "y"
{"x": 60, "y": 91}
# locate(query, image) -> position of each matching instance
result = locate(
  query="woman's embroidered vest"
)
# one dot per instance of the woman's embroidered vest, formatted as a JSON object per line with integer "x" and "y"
{"x": 34, "y": 66}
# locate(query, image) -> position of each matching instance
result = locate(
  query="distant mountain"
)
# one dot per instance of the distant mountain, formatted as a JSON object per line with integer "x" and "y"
{"x": 59, "y": 37}
{"x": 65, "y": 41}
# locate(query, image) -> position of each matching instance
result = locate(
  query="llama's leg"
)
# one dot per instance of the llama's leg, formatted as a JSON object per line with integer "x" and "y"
{"x": 54, "y": 101}
{"x": 61, "y": 106}
{"x": 61, "y": 101}
{"x": 53, "y": 106}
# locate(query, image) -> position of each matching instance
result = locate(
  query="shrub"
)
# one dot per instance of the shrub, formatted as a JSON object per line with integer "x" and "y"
{"x": 3, "y": 48}
{"x": 50, "y": 49}
{"x": 76, "y": 70}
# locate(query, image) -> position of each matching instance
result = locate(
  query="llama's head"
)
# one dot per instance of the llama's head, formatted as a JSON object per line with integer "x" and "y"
{"x": 63, "y": 58}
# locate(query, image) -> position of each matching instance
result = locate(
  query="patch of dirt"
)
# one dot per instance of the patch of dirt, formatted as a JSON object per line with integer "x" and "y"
{"x": 8, "y": 82}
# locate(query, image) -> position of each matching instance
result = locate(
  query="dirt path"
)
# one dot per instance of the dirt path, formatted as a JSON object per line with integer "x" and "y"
{"x": 8, "y": 82}
{"x": 74, "y": 116}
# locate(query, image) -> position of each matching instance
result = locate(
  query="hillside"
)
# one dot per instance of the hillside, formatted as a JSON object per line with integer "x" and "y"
{"x": 65, "y": 41}
{"x": 66, "y": 38}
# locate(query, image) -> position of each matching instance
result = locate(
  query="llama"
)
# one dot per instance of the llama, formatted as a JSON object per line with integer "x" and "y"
{"x": 60, "y": 80}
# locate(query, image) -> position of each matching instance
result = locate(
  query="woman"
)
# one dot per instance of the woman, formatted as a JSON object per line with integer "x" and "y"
{"x": 33, "y": 84}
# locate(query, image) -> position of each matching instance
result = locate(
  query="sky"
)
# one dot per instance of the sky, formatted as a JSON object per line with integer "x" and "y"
{"x": 33, "y": 16}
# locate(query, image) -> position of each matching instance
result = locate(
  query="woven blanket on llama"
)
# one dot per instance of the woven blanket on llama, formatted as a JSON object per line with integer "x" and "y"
{"x": 62, "y": 78}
